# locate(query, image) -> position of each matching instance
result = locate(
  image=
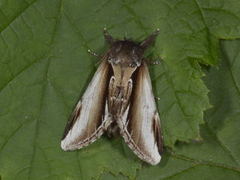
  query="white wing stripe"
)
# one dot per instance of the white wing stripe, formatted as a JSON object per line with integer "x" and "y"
{"x": 89, "y": 105}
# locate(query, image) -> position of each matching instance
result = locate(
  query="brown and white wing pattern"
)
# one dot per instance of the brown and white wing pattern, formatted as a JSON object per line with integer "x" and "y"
{"x": 88, "y": 120}
{"x": 140, "y": 124}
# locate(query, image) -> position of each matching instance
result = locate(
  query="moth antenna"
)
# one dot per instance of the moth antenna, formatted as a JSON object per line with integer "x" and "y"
{"x": 149, "y": 40}
{"x": 93, "y": 53}
{"x": 156, "y": 62}
{"x": 109, "y": 39}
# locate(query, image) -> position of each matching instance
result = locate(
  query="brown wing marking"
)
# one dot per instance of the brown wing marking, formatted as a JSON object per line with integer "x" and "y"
{"x": 141, "y": 127}
{"x": 72, "y": 120}
{"x": 157, "y": 132}
{"x": 89, "y": 119}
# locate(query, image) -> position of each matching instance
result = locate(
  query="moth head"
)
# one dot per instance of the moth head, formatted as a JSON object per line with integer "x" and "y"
{"x": 127, "y": 53}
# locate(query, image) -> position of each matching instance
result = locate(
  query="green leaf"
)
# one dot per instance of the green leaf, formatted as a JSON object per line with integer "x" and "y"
{"x": 217, "y": 156}
{"x": 45, "y": 67}
{"x": 224, "y": 121}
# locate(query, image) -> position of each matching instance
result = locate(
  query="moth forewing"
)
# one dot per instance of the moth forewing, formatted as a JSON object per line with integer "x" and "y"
{"x": 140, "y": 128}
{"x": 119, "y": 97}
{"x": 87, "y": 122}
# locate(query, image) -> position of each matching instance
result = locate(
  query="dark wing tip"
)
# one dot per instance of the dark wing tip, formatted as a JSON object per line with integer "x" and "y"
{"x": 76, "y": 113}
{"x": 157, "y": 132}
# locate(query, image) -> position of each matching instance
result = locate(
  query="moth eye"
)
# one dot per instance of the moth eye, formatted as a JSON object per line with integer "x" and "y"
{"x": 113, "y": 60}
{"x": 134, "y": 64}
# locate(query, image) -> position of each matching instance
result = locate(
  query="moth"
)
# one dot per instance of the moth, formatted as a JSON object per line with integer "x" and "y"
{"x": 119, "y": 98}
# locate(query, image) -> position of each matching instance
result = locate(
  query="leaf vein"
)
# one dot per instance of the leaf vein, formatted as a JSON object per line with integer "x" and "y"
{"x": 20, "y": 72}
{"x": 17, "y": 15}
{"x": 44, "y": 88}
{"x": 178, "y": 100}
{"x": 10, "y": 136}
{"x": 136, "y": 17}
{"x": 79, "y": 33}
{"x": 38, "y": 122}
{"x": 225, "y": 148}
{"x": 203, "y": 162}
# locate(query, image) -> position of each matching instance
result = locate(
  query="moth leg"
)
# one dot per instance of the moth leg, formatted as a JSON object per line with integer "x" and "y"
{"x": 129, "y": 89}
{"x": 109, "y": 39}
{"x": 126, "y": 97}
{"x": 111, "y": 97}
{"x": 107, "y": 118}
